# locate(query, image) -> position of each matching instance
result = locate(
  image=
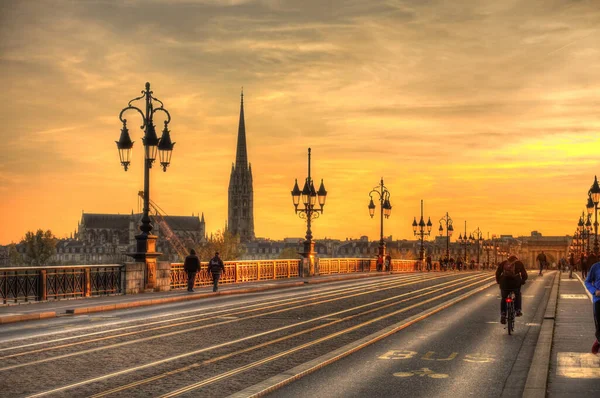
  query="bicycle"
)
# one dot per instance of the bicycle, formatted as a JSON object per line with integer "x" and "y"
{"x": 510, "y": 312}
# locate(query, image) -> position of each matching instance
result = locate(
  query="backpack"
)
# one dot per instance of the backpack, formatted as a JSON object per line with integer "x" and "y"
{"x": 509, "y": 270}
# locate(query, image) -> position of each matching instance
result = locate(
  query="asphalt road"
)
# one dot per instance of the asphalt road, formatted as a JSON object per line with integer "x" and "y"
{"x": 231, "y": 344}
{"x": 460, "y": 352}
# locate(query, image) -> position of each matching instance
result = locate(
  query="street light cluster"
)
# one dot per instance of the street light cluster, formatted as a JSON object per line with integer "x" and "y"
{"x": 309, "y": 212}
{"x": 580, "y": 244}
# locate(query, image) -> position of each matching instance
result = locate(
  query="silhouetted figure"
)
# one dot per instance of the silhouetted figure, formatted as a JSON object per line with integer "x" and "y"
{"x": 571, "y": 265}
{"x": 216, "y": 267}
{"x": 191, "y": 266}
{"x": 542, "y": 260}
{"x": 510, "y": 275}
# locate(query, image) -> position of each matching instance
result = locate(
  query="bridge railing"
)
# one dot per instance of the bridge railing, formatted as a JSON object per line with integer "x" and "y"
{"x": 23, "y": 284}
{"x": 258, "y": 270}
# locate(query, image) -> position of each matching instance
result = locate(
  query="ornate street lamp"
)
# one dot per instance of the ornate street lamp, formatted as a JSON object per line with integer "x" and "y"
{"x": 146, "y": 242}
{"x": 449, "y": 230}
{"x": 594, "y": 194}
{"x": 385, "y": 207}
{"x": 477, "y": 237}
{"x": 465, "y": 241}
{"x": 419, "y": 230}
{"x": 309, "y": 197}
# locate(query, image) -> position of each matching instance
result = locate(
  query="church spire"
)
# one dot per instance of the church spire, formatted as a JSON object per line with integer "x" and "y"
{"x": 241, "y": 157}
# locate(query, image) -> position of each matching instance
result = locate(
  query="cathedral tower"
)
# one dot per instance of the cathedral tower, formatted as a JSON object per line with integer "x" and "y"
{"x": 241, "y": 194}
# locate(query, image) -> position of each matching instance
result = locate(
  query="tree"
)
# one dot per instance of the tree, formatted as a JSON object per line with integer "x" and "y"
{"x": 226, "y": 243}
{"x": 289, "y": 253}
{"x": 39, "y": 247}
{"x": 14, "y": 257}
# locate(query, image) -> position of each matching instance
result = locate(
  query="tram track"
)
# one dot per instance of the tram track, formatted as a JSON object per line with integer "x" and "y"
{"x": 206, "y": 317}
{"x": 459, "y": 284}
{"x": 220, "y": 309}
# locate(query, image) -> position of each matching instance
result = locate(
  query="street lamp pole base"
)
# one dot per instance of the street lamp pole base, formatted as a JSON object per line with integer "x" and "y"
{"x": 146, "y": 253}
{"x": 307, "y": 264}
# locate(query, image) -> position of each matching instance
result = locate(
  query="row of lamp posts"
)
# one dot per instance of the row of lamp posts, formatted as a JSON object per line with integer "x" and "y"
{"x": 308, "y": 196}
{"x": 581, "y": 243}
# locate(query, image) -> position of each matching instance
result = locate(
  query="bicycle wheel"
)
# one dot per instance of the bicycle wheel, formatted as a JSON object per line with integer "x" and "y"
{"x": 510, "y": 316}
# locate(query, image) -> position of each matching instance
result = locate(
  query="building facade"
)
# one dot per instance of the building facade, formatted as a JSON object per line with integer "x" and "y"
{"x": 241, "y": 194}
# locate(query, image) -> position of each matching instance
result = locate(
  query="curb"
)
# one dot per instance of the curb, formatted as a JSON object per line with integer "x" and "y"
{"x": 537, "y": 377}
{"x": 12, "y": 318}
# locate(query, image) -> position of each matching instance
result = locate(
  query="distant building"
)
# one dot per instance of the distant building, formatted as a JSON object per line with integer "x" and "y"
{"x": 115, "y": 234}
{"x": 241, "y": 193}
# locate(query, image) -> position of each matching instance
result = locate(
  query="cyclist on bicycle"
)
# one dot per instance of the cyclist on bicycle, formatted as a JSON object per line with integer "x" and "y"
{"x": 510, "y": 275}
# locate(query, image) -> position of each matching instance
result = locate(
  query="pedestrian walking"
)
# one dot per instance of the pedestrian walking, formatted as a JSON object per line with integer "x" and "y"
{"x": 216, "y": 267}
{"x": 428, "y": 262}
{"x": 571, "y": 265}
{"x": 388, "y": 262}
{"x": 592, "y": 283}
{"x": 542, "y": 260}
{"x": 379, "y": 264}
{"x": 191, "y": 266}
{"x": 563, "y": 264}
{"x": 459, "y": 263}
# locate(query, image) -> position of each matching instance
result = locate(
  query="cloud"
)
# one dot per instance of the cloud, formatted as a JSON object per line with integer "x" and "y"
{"x": 446, "y": 100}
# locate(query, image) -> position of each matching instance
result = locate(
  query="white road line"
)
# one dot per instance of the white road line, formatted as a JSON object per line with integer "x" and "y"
{"x": 585, "y": 288}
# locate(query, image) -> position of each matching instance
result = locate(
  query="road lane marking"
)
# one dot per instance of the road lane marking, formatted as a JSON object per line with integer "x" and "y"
{"x": 422, "y": 373}
{"x": 427, "y": 357}
{"x": 395, "y": 354}
{"x": 576, "y": 365}
{"x": 574, "y": 296}
{"x": 479, "y": 358}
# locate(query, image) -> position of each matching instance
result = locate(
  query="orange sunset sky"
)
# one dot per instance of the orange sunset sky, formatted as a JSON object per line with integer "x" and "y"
{"x": 487, "y": 109}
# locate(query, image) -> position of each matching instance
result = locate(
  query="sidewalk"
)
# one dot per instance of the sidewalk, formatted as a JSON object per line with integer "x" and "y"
{"x": 574, "y": 371}
{"x": 51, "y": 309}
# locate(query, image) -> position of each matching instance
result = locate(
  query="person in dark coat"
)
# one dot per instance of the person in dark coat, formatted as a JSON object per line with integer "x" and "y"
{"x": 216, "y": 267}
{"x": 191, "y": 266}
{"x": 542, "y": 260}
{"x": 510, "y": 275}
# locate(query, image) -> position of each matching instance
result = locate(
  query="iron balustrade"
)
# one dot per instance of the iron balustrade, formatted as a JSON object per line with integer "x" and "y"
{"x": 25, "y": 284}
{"x": 260, "y": 270}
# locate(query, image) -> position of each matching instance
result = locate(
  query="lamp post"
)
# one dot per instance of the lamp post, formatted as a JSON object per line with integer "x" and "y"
{"x": 309, "y": 199}
{"x": 581, "y": 233}
{"x": 594, "y": 194}
{"x": 419, "y": 230}
{"x": 146, "y": 242}
{"x": 385, "y": 207}
{"x": 465, "y": 241}
{"x": 495, "y": 247}
{"x": 477, "y": 237}
{"x": 449, "y": 229}
{"x": 487, "y": 246}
